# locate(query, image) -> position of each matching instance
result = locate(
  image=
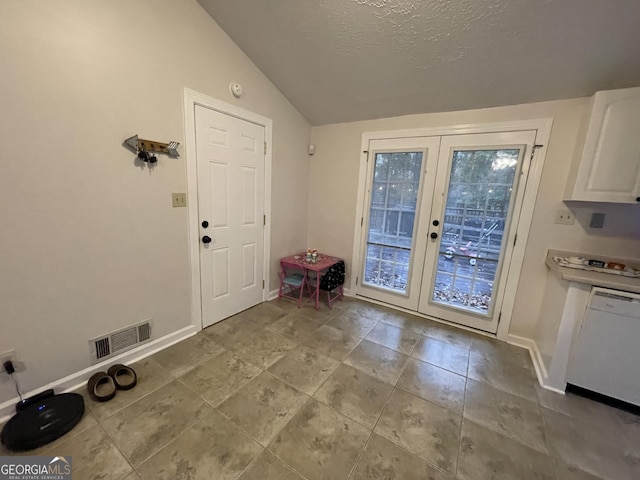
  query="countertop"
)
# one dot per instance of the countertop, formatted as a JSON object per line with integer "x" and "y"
{"x": 597, "y": 279}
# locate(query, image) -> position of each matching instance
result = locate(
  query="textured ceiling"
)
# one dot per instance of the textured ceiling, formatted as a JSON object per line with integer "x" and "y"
{"x": 345, "y": 60}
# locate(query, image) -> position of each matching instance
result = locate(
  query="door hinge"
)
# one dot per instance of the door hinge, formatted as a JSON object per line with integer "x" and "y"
{"x": 515, "y": 239}
{"x": 265, "y": 148}
{"x": 499, "y": 318}
{"x": 356, "y": 280}
{"x": 263, "y": 284}
{"x": 361, "y": 221}
{"x": 264, "y": 220}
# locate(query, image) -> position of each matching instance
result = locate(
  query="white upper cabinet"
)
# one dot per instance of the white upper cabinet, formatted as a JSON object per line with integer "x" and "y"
{"x": 607, "y": 168}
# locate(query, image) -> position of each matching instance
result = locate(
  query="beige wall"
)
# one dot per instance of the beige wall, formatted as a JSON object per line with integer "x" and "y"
{"x": 90, "y": 242}
{"x": 334, "y": 178}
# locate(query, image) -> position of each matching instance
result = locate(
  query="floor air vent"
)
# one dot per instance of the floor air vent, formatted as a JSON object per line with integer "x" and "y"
{"x": 117, "y": 342}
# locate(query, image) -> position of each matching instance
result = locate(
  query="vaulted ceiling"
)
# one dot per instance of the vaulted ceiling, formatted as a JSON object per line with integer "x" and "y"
{"x": 345, "y": 60}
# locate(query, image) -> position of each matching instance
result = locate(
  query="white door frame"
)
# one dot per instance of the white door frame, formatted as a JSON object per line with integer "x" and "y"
{"x": 543, "y": 127}
{"x": 191, "y": 100}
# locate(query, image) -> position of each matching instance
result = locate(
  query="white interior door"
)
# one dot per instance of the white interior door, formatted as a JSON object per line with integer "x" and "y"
{"x": 230, "y": 166}
{"x": 479, "y": 190}
{"x": 400, "y": 179}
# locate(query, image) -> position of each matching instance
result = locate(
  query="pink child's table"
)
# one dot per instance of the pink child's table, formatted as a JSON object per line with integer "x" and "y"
{"x": 323, "y": 263}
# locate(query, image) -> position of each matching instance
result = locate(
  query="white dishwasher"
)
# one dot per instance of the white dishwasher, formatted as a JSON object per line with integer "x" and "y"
{"x": 606, "y": 355}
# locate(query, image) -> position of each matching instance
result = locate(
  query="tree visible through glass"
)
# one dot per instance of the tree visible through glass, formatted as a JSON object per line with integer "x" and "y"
{"x": 392, "y": 217}
{"x": 481, "y": 186}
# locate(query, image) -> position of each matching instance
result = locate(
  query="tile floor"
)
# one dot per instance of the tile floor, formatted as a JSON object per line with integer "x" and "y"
{"x": 359, "y": 392}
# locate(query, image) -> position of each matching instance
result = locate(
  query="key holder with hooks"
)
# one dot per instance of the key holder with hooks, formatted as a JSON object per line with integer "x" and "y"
{"x": 146, "y": 149}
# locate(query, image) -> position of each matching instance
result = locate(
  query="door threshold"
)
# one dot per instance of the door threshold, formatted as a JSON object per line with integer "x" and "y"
{"x": 427, "y": 317}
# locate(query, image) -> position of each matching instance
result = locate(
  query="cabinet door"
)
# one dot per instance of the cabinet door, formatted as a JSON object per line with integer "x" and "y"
{"x": 609, "y": 170}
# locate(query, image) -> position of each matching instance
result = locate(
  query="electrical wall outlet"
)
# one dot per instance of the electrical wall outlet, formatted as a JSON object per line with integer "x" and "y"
{"x": 565, "y": 217}
{"x": 179, "y": 199}
{"x": 8, "y": 355}
{"x": 597, "y": 220}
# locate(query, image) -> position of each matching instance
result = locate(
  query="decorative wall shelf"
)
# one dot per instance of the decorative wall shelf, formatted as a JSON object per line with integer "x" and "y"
{"x": 144, "y": 147}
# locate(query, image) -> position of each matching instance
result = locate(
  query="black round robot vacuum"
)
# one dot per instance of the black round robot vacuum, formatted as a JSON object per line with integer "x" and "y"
{"x": 42, "y": 422}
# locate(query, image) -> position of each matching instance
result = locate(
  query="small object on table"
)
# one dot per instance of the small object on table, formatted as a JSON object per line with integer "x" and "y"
{"x": 615, "y": 266}
{"x": 596, "y": 263}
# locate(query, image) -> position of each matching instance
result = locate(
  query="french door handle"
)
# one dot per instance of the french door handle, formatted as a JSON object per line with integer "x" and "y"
{"x": 434, "y": 235}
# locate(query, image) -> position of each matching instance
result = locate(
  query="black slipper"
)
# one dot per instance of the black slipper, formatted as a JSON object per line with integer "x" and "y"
{"x": 101, "y": 387}
{"x": 124, "y": 377}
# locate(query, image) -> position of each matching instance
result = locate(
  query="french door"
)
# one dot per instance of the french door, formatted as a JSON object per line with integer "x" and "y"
{"x": 469, "y": 206}
{"x": 400, "y": 183}
{"x": 476, "y": 206}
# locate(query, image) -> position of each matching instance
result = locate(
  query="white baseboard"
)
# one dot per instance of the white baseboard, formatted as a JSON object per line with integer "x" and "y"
{"x": 553, "y": 389}
{"x": 78, "y": 379}
{"x": 530, "y": 345}
{"x": 536, "y": 358}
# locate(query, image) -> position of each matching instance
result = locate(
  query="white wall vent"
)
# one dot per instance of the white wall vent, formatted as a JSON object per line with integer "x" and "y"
{"x": 144, "y": 332}
{"x": 120, "y": 341}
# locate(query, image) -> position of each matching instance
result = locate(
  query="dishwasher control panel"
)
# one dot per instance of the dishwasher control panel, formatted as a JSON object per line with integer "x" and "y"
{"x": 625, "y": 304}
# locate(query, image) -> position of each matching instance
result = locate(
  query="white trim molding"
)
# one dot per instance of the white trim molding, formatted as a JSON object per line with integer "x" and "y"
{"x": 542, "y": 126}
{"x": 191, "y": 100}
{"x": 273, "y": 294}
{"x": 79, "y": 379}
{"x": 536, "y": 359}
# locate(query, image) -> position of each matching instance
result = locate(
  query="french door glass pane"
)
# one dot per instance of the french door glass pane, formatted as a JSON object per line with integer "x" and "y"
{"x": 481, "y": 184}
{"x": 392, "y": 217}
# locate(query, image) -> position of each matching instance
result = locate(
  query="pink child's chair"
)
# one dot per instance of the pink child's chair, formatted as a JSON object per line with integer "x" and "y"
{"x": 293, "y": 280}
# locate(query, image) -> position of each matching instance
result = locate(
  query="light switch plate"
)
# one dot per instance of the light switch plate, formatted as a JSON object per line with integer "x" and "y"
{"x": 179, "y": 199}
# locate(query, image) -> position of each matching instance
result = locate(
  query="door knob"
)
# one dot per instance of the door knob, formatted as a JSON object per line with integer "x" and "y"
{"x": 434, "y": 235}
{"x": 206, "y": 239}
{"x": 436, "y": 223}
{"x": 205, "y": 224}
{"x": 637, "y": 199}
